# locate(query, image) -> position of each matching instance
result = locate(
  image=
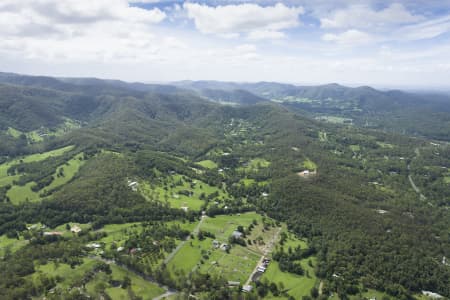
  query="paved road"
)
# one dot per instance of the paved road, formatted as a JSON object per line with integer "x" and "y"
{"x": 175, "y": 251}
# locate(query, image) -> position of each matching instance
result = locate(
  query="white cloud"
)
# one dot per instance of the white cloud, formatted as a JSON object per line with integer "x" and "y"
{"x": 143, "y": 1}
{"x": 349, "y": 37}
{"x": 425, "y": 30}
{"x": 252, "y": 19}
{"x": 266, "y": 34}
{"x": 80, "y": 30}
{"x": 363, "y": 16}
{"x": 42, "y": 17}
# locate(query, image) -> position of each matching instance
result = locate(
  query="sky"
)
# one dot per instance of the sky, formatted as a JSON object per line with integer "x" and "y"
{"x": 378, "y": 43}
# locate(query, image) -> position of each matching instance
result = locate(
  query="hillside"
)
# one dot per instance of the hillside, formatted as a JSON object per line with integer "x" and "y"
{"x": 111, "y": 189}
{"x": 417, "y": 114}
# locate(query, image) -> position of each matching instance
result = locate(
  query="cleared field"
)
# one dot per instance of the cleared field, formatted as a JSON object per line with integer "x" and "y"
{"x": 176, "y": 189}
{"x": 38, "y": 135}
{"x": 13, "y": 132}
{"x": 355, "y": 148}
{"x": 247, "y": 181}
{"x": 11, "y": 244}
{"x": 69, "y": 276}
{"x": 69, "y": 169}
{"x": 385, "y": 145}
{"x": 297, "y": 286}
{"x": 235, "y": 266}
{"x": 209, "y": 164}
{"x": 258, "y": 163}
{"x": 222, "y": 226}
{"x": 31, "y": 158}
{"x": 201, "y": 255}
{"x": 18, "y": 194}
{"x": 309, "y": 165}
{"x": 140, "y": 286}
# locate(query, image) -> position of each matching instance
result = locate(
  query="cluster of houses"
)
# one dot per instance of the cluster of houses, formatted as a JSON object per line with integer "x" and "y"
{"x": 265, "y": 263}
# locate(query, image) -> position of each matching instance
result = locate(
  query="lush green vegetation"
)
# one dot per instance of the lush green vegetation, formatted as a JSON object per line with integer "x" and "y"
{"x": 373, "y": 220}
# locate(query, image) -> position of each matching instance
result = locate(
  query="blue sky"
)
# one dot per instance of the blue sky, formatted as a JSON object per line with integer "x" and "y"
{"x": 379, "y": 43}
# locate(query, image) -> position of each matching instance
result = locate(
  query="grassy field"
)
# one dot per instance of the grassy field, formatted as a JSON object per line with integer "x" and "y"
{"x": 297, "y": 286}
{"x": 385, "y": 145}
{"x": 38, "y": 135}
{"x": 18, "y": 194}
{"x": 309, "y": 165}
{"x": 247, "y": 181}
{"x": 13, "y": 132}
{"x": 257, "y": 163}
{"x": 173, "y": 195}
{"x": 70, "y": 169}
{"x": 355, "y": 148}
{"x": 209, "y": 164}
{"x": 222, "y": 226}
{"x": 12, "y": 244}
{"x": 140, "y": 287}
{"x": 31, "y": 158}
{"x": 68, "y": 275}
{"x": 236, "y": 265}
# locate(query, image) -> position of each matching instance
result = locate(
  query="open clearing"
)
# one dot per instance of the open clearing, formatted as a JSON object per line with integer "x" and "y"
{"x": 209, "y": 164}
{"x": 18, "y": 194}
{"x": 235, "y": 265}
{"x": 297, "y": 286}
{"x": 309, "y": 165}
{"x": 179, "y": 192}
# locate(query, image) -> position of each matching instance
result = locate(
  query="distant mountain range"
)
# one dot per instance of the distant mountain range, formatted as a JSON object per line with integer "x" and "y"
{"x": 420, "y": 114}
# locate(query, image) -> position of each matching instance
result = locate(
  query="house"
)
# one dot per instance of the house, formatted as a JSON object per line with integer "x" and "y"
{"x": 216, "y": 244}
{"x": 93, "y": 245}
{"x": 120, "y": 249}
{"x": 185, "y": 208}
{"x": 52, "y": 233}
{"x": 432, "y": 295}
{"x": 233, "y": 283}
{"x": 133, "y": 185}
{"x": 264, "y": 194}
{"x": 247, "y": 288}
{"x": 224, "y": 247}
{"x": 237, "y": 234}
{"x": 75, "y": 229}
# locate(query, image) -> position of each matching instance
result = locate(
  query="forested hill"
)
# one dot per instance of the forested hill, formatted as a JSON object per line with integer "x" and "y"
{"x": 417, "y": 114}
{"x": 371, "y": 206}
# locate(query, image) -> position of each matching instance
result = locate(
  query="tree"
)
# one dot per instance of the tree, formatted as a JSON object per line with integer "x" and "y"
{"x": 314, "y": 292}
{"x": 126, "y": 282}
